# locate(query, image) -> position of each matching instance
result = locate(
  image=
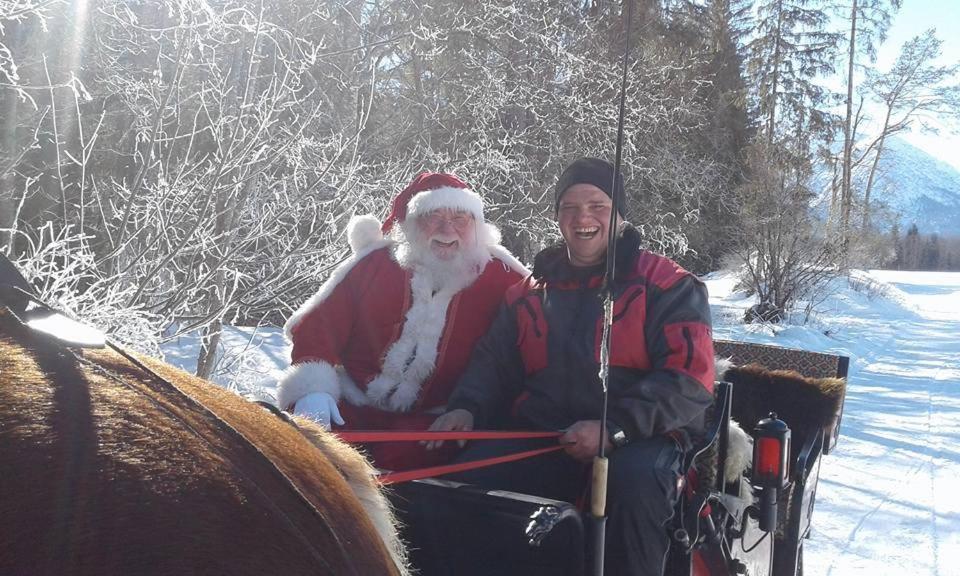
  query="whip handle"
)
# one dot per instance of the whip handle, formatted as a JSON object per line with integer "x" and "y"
{"x": 598, "y": 496}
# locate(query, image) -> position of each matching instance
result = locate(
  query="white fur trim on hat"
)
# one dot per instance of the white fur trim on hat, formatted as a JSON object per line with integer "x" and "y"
{"x": 305, "y": 378}
{"x": 446, "y": 197}
{"x": 362, "y": 231}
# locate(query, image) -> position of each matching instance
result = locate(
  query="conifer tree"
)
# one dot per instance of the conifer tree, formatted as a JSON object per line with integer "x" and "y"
{"x": 868, "y": 20}
{"x": 790, "y": 49}
{"x": 783, "y": 252}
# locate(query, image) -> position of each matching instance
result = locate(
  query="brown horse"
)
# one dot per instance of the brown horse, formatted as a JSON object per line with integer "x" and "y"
{"x": 107, "y": 469}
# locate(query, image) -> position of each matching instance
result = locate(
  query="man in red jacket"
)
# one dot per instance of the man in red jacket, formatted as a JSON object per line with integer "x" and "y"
{"x": 383, "y": 341}
{"x": 537, "y": 367}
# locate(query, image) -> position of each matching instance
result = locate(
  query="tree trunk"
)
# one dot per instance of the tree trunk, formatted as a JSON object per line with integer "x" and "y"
{"x": 846, "y": 192}
{"x": 834, "y": 201}
{"x": 8, "y": 203}
{"x": 208, "y": 349}
{"x": 873, "y": 171}
{"x": 771, "y": 116}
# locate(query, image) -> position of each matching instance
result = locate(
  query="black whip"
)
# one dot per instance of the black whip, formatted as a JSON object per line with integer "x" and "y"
{"x": 598, "y": 503}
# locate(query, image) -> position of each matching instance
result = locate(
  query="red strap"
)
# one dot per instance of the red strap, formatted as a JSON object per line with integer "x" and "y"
{"x": 408, "y": 475}
{"x": 371, "y": 436}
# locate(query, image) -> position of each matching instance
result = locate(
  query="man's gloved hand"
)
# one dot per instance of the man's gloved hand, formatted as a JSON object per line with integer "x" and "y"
{"x": 319, "y": 407}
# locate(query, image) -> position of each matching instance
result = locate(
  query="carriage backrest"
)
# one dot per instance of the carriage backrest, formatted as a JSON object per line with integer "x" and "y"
{"x": 809, "y": 364}
{"x": 805, "y": 388}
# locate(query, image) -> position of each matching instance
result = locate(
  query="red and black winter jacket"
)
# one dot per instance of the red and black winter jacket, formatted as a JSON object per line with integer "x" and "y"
{"x": 539, "y": 361}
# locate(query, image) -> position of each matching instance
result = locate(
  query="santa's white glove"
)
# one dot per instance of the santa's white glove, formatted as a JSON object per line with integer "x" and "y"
{"x": 319, "y": 407}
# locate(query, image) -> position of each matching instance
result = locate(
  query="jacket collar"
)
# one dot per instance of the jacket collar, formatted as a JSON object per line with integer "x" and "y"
{"x": 552, "y": 265}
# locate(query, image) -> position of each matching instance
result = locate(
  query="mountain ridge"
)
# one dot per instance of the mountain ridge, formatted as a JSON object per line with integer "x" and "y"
{"x": 912, "y": 186}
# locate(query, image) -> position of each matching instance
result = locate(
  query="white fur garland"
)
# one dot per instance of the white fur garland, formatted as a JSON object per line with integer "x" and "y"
{"x": 413, "y": 357}
{"x": 721, "y": 365}
{"x": 739, "y": 452}
{"x": 305, "y": 378}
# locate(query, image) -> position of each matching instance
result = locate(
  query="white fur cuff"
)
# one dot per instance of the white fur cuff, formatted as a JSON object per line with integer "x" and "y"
{"x": 302, "y": 379}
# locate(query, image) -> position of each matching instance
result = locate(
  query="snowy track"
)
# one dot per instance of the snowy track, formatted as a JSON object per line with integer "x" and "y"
{"x": 889, "y": 496}
{"x": 889, "y": 499}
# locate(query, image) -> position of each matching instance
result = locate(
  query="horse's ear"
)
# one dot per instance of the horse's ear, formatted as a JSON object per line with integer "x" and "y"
{"x": 14, "y": 289}
{"x": 17, "y": 296}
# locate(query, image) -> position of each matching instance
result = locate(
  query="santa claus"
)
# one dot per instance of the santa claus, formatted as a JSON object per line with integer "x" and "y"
{"x": 382, "y": 343}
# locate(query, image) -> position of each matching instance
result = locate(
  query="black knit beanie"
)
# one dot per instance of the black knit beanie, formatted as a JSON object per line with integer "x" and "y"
{"x": 590, "y": 171}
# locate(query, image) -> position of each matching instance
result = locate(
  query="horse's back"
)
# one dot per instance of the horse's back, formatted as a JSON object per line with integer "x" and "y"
{"x": 106, "y": 470}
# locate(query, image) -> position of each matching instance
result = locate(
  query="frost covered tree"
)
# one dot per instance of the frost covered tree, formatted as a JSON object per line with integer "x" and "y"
{"x": 784, "y": 253}
{"x": 199, "y": 151}
{"x": 716, "y": 30}
{"x": 206, "y": 156}
{"x": 20, "y": 23}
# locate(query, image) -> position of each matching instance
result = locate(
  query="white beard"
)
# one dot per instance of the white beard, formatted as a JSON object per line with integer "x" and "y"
{"x": 414, "y": 253}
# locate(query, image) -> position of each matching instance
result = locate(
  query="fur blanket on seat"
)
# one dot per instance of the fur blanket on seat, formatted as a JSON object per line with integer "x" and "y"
{"x": 805, "y": 404}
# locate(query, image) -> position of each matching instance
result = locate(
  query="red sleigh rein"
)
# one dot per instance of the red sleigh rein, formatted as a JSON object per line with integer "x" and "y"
{"x": 372, "y": 436}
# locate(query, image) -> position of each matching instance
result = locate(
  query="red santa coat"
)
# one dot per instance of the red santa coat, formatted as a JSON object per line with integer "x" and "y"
{"x": 388, "y": 348}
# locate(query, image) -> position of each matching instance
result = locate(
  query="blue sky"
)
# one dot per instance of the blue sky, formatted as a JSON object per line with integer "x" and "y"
{"x": 918, "y": 15}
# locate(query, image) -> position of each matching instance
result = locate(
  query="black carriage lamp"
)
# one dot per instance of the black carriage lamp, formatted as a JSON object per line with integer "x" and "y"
{"x": 771, "y": 453}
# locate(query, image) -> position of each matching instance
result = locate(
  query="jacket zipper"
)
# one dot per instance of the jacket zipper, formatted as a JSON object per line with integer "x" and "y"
{"x": 689, "y": 339}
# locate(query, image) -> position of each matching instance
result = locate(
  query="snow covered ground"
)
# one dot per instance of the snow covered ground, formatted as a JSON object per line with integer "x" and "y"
{"x": 889, "y": 496}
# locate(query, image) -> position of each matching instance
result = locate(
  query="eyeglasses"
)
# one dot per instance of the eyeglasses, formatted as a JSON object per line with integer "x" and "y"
{"x": 459, "y": 222}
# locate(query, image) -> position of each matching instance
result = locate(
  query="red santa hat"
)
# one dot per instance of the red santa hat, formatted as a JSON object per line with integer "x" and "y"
{"x": 429, "y": 191}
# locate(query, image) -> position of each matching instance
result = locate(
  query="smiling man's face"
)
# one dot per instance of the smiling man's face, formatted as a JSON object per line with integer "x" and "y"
{"x": 448, "y": 232}
{"x": 584, "y": 219}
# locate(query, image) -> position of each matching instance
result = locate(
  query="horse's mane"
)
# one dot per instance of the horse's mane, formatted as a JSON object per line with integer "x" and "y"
{"x": 107, "y": 470}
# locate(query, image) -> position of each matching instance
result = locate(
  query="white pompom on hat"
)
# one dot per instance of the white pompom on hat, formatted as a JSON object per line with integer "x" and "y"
{"x": 362, "y": 231}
